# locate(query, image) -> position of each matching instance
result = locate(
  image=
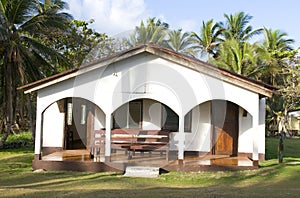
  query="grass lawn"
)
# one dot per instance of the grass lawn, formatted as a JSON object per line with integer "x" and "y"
{"x": 271, "y": 180}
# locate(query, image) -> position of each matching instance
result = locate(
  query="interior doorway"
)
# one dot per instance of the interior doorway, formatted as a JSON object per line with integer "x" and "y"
{"x": 76, "y": 123}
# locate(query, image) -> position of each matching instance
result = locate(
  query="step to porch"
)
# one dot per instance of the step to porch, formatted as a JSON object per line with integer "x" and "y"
{"x": 141, "y": 171}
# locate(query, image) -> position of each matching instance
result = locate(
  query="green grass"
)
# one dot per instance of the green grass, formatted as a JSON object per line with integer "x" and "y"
{"x": 271, "y": 180}
{"x": 291, "y": 147}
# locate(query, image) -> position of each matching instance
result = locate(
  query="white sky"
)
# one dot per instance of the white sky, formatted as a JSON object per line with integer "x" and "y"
{"x": 115, "y": 17}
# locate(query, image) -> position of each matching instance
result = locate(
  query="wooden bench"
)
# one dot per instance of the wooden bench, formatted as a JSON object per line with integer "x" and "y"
{"x": 132, "y": 140}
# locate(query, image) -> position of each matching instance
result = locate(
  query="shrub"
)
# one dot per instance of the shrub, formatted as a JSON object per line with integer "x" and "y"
{"x": 19, "y": 140}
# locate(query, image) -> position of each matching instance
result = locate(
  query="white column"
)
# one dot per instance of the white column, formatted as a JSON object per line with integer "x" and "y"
{"x": 108, "y": 137}
{"x": 261, "y": 127}
{"x": 181, "y": 138}
{"x": 38, "y": 128}
{"x": 255, "y": 133}
{"x": 38, "y": 132}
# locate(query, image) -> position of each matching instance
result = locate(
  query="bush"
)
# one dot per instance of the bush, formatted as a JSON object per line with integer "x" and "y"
{"x": 19, "y": 140}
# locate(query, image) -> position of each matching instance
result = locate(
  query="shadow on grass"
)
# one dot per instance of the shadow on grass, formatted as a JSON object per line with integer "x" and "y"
{"x": 271, "y": 180}
{"x": 258, "y": 189}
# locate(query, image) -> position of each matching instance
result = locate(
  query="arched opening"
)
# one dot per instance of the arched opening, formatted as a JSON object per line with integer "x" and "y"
{"x": 80, "y": 120}
{"x": 145, "y": 114}
{"x": 143, "y": 126}
{"x": 218, "y": 127}
{"x": 69, "y": 124}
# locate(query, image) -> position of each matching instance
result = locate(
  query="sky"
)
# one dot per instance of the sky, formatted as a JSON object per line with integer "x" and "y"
{"x": 117, "y": 17}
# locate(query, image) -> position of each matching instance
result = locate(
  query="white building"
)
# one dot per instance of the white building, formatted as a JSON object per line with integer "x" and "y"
{"x": 206, "y": 110}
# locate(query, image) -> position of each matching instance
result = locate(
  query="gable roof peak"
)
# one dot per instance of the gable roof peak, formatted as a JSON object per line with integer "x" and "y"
{"x": 165, "y": 53}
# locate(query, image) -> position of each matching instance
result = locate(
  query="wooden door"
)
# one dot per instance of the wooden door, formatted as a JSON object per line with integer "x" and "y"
{"x": 224, "y": 128}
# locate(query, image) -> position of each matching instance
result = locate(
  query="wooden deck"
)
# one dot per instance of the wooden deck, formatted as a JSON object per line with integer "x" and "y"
{"x": 119, "y": 160}
{"x": 69, "y": 155}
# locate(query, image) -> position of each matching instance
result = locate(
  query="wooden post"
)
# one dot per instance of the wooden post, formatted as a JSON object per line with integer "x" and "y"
{"x": 280, "y": 149}
{"x": 90, "y": 125}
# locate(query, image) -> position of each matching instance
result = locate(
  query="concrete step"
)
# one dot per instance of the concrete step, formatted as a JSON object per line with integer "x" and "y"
{"x": 141, "y": 171}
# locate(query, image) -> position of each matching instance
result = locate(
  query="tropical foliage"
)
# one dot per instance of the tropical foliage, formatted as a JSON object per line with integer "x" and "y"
{"x": 208, "y": 40}
{"x": 75, "y": 42}
{"x": 230, "y": 45}
{"x": 153, "y": 32}
{"x": 237, "y": 27}
{"x": 23, "y": 57}
{"x": 180, "y": 42}
{"x": 38, "y": 39}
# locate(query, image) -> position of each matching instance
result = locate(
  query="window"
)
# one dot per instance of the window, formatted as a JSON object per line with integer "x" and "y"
{"x": 135, "y": 114}
{"x": 120, "y": 117}
{"x": 170, "y": 120}
{"x": 128, "y": 115}
{"x": 83, "y": 114}
{"x": 69, "y": 113}
{"x": 188, "y": 122}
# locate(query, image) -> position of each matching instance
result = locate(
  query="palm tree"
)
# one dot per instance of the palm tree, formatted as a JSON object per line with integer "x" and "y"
{"x": 277, "y": 40}
{"x": 154, "y": 32}
{"x": 24, "y": 58}
{"x": 277, "y": 58}
{"x": 180, "y": 42}
{"x": 239, "y": 59}
{"x": 207, "y": 40}
{"x": 236, "y": 27}
{"x": 235, "y": 53}
{"x": 275, "y": 50}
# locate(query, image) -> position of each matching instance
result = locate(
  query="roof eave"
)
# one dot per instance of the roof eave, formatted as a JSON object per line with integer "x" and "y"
{"x": 164, "y": 53}
{"x": 211, "y": 71}
{"x": 37, "y": 85}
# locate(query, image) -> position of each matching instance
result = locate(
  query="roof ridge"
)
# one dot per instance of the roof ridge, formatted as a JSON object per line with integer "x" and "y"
{"x": 155, "y": 50}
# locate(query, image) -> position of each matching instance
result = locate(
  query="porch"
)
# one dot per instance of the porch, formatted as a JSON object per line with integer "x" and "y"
{"x": 80, "y": 160}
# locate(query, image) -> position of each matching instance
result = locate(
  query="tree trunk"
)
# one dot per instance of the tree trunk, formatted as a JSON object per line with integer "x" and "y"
{"x": 15, "y": 126}
{"x": 30, "y": 115}
{"x": 280, "y": 149}
{"x": 3, "y": 140}
{"x": 9, "y": 102}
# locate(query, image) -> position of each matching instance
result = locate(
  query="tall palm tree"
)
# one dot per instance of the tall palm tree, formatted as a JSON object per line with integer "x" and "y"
{"x": 208, "y": 39}
{"x": 279, "y": 69}
{"x": 239, "y": 59}
{"x": 24, "y": 58}
{"x": 235, "y": 53}
{"x": 180, "y": 42}
{"x": 275, "y": 49}
{"x": 153, "y": 32}
{"x": 277, "y": 40}
{"x": 236, "y": 27}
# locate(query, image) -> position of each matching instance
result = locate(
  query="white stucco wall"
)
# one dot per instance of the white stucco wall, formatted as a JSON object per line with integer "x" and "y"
{"x": 99, "y": 119}
{"x": 53, "y": 125}
{"x": 245, "y": 144}
{"x": 261, "y": 126}
{"x": 147, "y": 76}
{"x": 151, "y": 115}
{"x": 199, "y": 137}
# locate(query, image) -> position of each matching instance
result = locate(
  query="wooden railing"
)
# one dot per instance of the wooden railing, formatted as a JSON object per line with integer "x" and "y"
{"x": 132, "y": 140}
